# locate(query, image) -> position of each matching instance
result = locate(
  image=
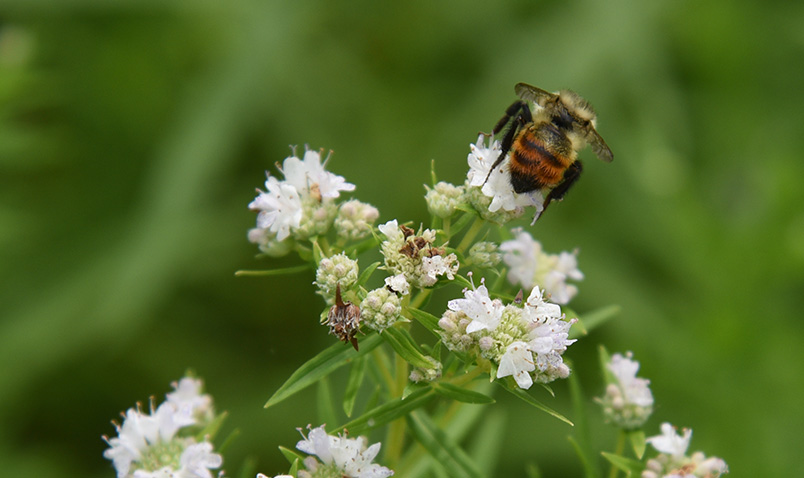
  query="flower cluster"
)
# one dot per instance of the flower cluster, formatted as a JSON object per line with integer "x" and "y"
{"x": 525, "y": 342}
{"x": 339, "y": 457}
{"x": 333, "y": 271}
{"x": 530, "y": 266}
{"x": 492, "y": 194}
{"x": 673, "y": 462}
{"x": 160, "y": 444}
{"x": 303, "y": 205}
{"x": 414, "y": 255}
{"x": 628, "y": 401}
{"x": 381, "y": 309}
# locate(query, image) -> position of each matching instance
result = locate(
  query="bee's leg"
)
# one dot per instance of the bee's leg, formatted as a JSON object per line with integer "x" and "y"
{"x": 521, "y": 113}
{"x": 570, "y": 176}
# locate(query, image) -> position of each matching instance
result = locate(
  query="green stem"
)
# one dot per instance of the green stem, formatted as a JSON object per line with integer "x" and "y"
{"x": 470, "y": 235}
{"x": 396, "y": 430}
{"x": 619, "y": 451}
{"x": 420, "y": 298}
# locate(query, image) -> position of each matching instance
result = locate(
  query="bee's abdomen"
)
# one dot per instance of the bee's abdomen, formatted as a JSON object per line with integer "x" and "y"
{"x": 539, "y": 157}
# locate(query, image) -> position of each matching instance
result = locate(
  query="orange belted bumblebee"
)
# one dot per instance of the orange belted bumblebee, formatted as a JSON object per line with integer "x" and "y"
{"x": 544, "y": 144}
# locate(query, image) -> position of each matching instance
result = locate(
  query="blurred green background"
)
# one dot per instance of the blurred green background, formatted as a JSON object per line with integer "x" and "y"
{"x": 133, "y": 134}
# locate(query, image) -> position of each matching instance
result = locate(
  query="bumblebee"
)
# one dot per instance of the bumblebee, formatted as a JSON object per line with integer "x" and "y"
{"x": 544, "y": 144}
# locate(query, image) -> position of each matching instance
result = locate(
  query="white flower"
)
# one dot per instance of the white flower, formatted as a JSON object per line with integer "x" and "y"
{"x": 529, "y": 265}
{"x": 670, "y": 443}
{"x": 309, "y": 177}
{"x": 437, "y": 265}
{"x": 483, "y": 312}
{"x": 517, "y": 361}
{"x": 635, "y": 390}
{"x": 349, "y": 456}
{"x": 188, "y": 400}
{"x": 151, "y": 446}
{"x": 392, "y": 231}
{"x": 398, "y": 284}
{"x": 280, "y": 208}
{"x": 628, "y": 401}
{"x": 498, "y": 186}
{"x": 672, "y": 460}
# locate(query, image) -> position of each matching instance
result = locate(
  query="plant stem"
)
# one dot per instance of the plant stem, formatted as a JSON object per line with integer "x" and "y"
{"x": 619, "y": 451}
{"x": 470, "y": 235}
{"x": 420, "y": 298}
{"x": 396, "y": 430}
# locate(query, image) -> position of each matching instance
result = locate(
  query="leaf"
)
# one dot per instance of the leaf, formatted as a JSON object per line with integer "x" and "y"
{"x": 591, "y": 320}
{"x": 366, "y": 274}
{"x": 488, "y": 440}
{"x": 274, "y": 272}
{"x": 318, "y": 367}
{"x": 461, "y": 280}
{"x": 388, "y": 412}
{"x": 629, "y": 466}
{"x": 324, "y": 401}
{"x": 583, "y": 442}
{"x": 353, "y": 385}
{"x": 403, "y": 344}
{"x": 518, "y": 392}
{"x": 211, "y": 429}
{"x": 441, "y": 447}
{"x": 290, "y": 455}
{"x": 428, "y": 320}
{"x": 248, "y": 469}
{"x": 605, "y": 360}
{"x": 638, "y": 443}
{"x": 461, "y": 394}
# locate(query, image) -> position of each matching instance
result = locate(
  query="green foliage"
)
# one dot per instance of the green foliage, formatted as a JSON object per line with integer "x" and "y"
{"x": 132, "y": 136}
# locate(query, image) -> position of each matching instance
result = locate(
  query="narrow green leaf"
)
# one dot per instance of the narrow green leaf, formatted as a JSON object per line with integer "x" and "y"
{"x": 290, "y": 455}
{"x": 318, "y": 253}
{"x": 461, "y": 394}
{"x": 428, "y": 320}
{"x": 549, "y": 389}
{"x": 461, "y": 280}
{"x": 518, "y": 392}
{"x": 324, "y": 401}
{"x": 294, "y": 468}
{"x": 637, "y": 439}
{"x": 366, "y": 274}
{"x": 226, "y": 442}
{"x": 605, "y": 360}
{"x": 433, "y": 179}
{"x": 318, "y": 367}
{"x": 362, "y": 246}
{"x": 388, "y": 412}
{"x": 211, "y": 429}
{"x": 488, "y": 439}
{"x": 591, "y": 320}
{"x": 403, "y": 344}
{"x": 464, "y": 220}
{"x": 582, "y": 440}
{"x": 441, "y": 447}
{"x": 532, "y": 471}
{"x": 629, "y": 466}
{"x": 274, "y": 272}
{"x": 248, "y": 469}
{"x": 353, "y": 385}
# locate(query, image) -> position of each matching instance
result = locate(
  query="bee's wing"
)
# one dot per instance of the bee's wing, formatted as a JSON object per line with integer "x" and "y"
{"x": 531, "y": 93}
{"x": 600, "y": 148}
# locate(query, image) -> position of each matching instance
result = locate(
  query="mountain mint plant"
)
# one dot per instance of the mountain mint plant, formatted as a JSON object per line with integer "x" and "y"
{"x": 418, "y": 361}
